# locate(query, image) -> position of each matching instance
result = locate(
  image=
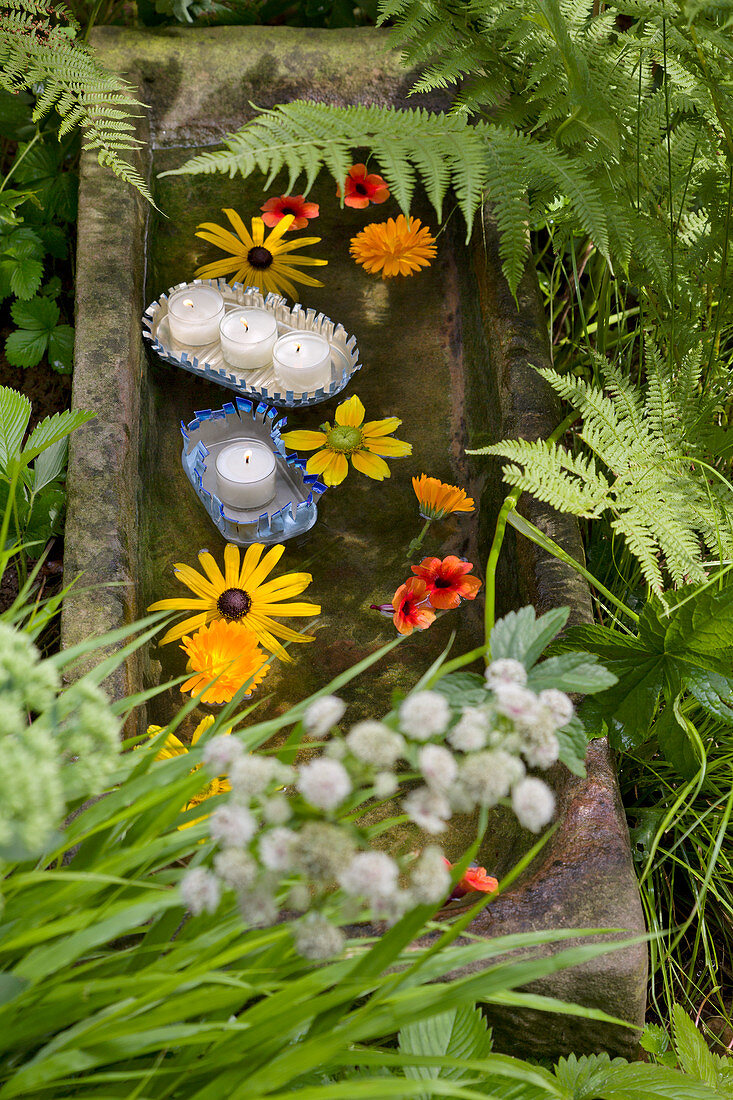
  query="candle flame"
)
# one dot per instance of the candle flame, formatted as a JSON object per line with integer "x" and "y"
{"x": 243, "y": 322}
{"x": 247, "y": 457}
{"x": 188, "y": 302}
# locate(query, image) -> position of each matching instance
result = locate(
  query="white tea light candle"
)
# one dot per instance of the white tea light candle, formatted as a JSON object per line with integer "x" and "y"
{"x": 245, "y": 474}
{"x": 247, "y": 338}
{"x": 194, "y": 314}
{"x": 302, "y": 361}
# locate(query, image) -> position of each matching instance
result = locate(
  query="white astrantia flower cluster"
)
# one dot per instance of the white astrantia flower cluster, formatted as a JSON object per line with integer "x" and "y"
{"x": 290, "y": 841}
{"x": 54, "y": 744}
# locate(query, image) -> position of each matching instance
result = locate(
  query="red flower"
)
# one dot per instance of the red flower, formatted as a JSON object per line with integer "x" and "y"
{"x": 411, "y": 607}
{"x": 475, "y": 880}
{"x": 276, "y": 209}
{"x": 362, "y": 189}
{"x": 447, "y": 581}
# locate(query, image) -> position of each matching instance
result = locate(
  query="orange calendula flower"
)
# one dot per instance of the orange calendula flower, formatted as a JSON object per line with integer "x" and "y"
{"x": 350, "y": 438}
{"x": 394, "y": 247}
{"x": 438, "y": 500}
{"x": 173, "y": 747}
{"x": 360, "y": 189}
{"x": 226, "y": 653}
{"x": 475, "y": 880}
{"x": 447, "y": 581}
{"x": 241, "y": 595}
{"x": 274, "y": 210}
{"x": 411, "y": 606}
{"x": 256, "y": 260}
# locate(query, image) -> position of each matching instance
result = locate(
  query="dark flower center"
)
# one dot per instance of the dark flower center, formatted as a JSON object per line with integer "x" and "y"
{"x": 441, "y": 582}
{"x": 288, "y": 210}
{"x": 361, "y": 189}
{"x": 234, "y": 604}
{"x": 259, "y": 257}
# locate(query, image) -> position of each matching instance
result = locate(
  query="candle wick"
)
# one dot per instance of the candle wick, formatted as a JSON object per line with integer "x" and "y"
{"x": 297, "y": 347}
{"x": 188, "y": 303}
{"x": 243, "y": 322}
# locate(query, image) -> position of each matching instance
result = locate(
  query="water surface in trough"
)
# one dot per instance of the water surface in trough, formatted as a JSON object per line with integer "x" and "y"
{"x": 409, "y": 336}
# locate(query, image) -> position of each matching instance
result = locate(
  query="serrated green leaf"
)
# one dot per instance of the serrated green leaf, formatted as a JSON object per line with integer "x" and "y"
{"x": 463, "y": 689}
{"x": 15, "y": 412}
{"x": 45, "y": 519}
{"x": 573, "y": 739}
{"x": 37, "y": 315}
{"x": 574, "y": 672}
{"x": 654, "y": 1039}
{"x": 461, "y": 1033}
{"x": 50, "y": 464}
{"x": 52, "y": 429}
{"x": 713, "y": 691}
{"x": 522, "y": 636}
{"x": 61, "y": 349}
{"x": 692, "y": 1051}
{"x": 24, "y": 348}
{"x": 24, "y": 276}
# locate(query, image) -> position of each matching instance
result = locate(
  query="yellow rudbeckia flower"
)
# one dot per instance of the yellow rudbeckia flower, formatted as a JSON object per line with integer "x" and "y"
{"x": 350, "y": 438}
{"x": 241, "y": 595}
{"x": 256, "y": 260}
{"x": 174, "y": 747}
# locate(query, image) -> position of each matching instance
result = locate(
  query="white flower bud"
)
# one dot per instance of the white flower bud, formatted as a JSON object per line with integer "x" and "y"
{"x": 438, "y": 766}
{"x": 428, "y": 809}
{"x": 471, "y": 730}
{"x": 534, "y": 803}
{"x": 322, "y": 715}
{"x": 324, "y": 783}
{"x": 431, "y": 879}
{"x": 317, "y": 938}
{"x": 424, "y": 714}
{"x": 276, "y": 849}
{"x": 375, "y": 743}
{"x": 200, "y": 891}
{"x": 233, "y": 826}
{"x": 237, "y": 868}
{"x": 220, "y": 753}
{"x": 559, "y": 705}
{"x": 505, "y": 671}
{"x": 371, "y": 875}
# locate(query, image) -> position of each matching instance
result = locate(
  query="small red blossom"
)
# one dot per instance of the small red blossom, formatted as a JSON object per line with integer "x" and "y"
{"x": 411, "y": 607}
{"x": 361, "y": 189}
{"x": 447, "y": 581}
{"x": 475, "y": 880}
{"x": 274, "y": 210}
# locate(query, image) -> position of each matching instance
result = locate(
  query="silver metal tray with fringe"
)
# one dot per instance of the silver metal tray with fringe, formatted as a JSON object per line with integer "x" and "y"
{"x": 293, "y": 509}
{"x": 208, "y": 362}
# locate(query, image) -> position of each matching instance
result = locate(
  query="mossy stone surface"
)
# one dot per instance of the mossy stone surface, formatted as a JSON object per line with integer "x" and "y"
{"x": 448, "y": 351}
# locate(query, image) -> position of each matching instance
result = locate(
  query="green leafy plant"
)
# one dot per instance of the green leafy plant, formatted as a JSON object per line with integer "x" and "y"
{"x": 41, "y": 45}
{"x": 39, "y": 333}
{"x": 33, "y": 470}
{"x": 646, "y": 467}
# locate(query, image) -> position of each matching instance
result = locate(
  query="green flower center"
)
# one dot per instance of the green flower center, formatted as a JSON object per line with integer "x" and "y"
{"x": 344, "y": 438}
{"x": 234, "y": 604}
{"x": 260, "y": 257}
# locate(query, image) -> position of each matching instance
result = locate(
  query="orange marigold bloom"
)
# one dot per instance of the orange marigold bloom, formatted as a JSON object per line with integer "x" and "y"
{"x": 361, "y": 189}
{"x": 274, "y": 210}
{"x": 438, "y": 500}
{"x": 227, "y": 653}
{"x": 394, "y": 247}
{"x": 446, "y": 581}
{"x": 411, "y": 607}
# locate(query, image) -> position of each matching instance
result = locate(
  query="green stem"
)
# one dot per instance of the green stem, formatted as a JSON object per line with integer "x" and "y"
{"x": 528, "y": 529}
{"x": 19, "y": 158}
{"x": 417, "y": 543}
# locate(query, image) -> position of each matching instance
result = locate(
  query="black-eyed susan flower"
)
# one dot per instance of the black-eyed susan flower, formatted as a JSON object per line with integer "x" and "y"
{"x": 241, "y": 595}
{"x": 222, "y": 656}
{"x": 438, "y": 500}
{"x": 394, "y": 247}
{"x": 256, "y": 260}
{"x": 350, "y": 437}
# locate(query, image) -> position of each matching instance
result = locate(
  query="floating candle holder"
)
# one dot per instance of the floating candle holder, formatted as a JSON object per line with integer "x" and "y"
{"x": 210, "y": 460}
{"x": 260, "y": 384}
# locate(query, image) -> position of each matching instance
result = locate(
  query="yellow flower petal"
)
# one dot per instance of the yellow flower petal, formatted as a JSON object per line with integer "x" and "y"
{"x": 350, "y": 413}
{"x": 193, "y": 580}
{"x": 247, "y": 240}
{"x": 213, "y": 572}
{"x": 219, "y": 269}
{"x": 179, "y": 604}
{"x": 301, "y": 609}
{"x": 187, "y": 627}
{"x": 222, "y": 238}
{"x": 205, "y": 724}
{"x": 371, "y": 465}
{"x": 374, "y": 428}
{"x": 317, "y": 463}
{"x": 266, "y": 566}
{"x": 277, "y": 231}
{"x": 304, "y": 440}
{"x": 336, "y": 470}
{"x": 171, "y": 747}
{"x": 289, "y": 585}
{"x": 231, "y": 565}
{"x": 385, "y": 445}
{"x": 250, "y": 561}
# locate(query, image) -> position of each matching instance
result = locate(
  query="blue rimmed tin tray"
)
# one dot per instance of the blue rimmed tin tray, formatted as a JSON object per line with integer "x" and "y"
{"x": 208, "y": 362}
{"x": 293, "y": 509}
